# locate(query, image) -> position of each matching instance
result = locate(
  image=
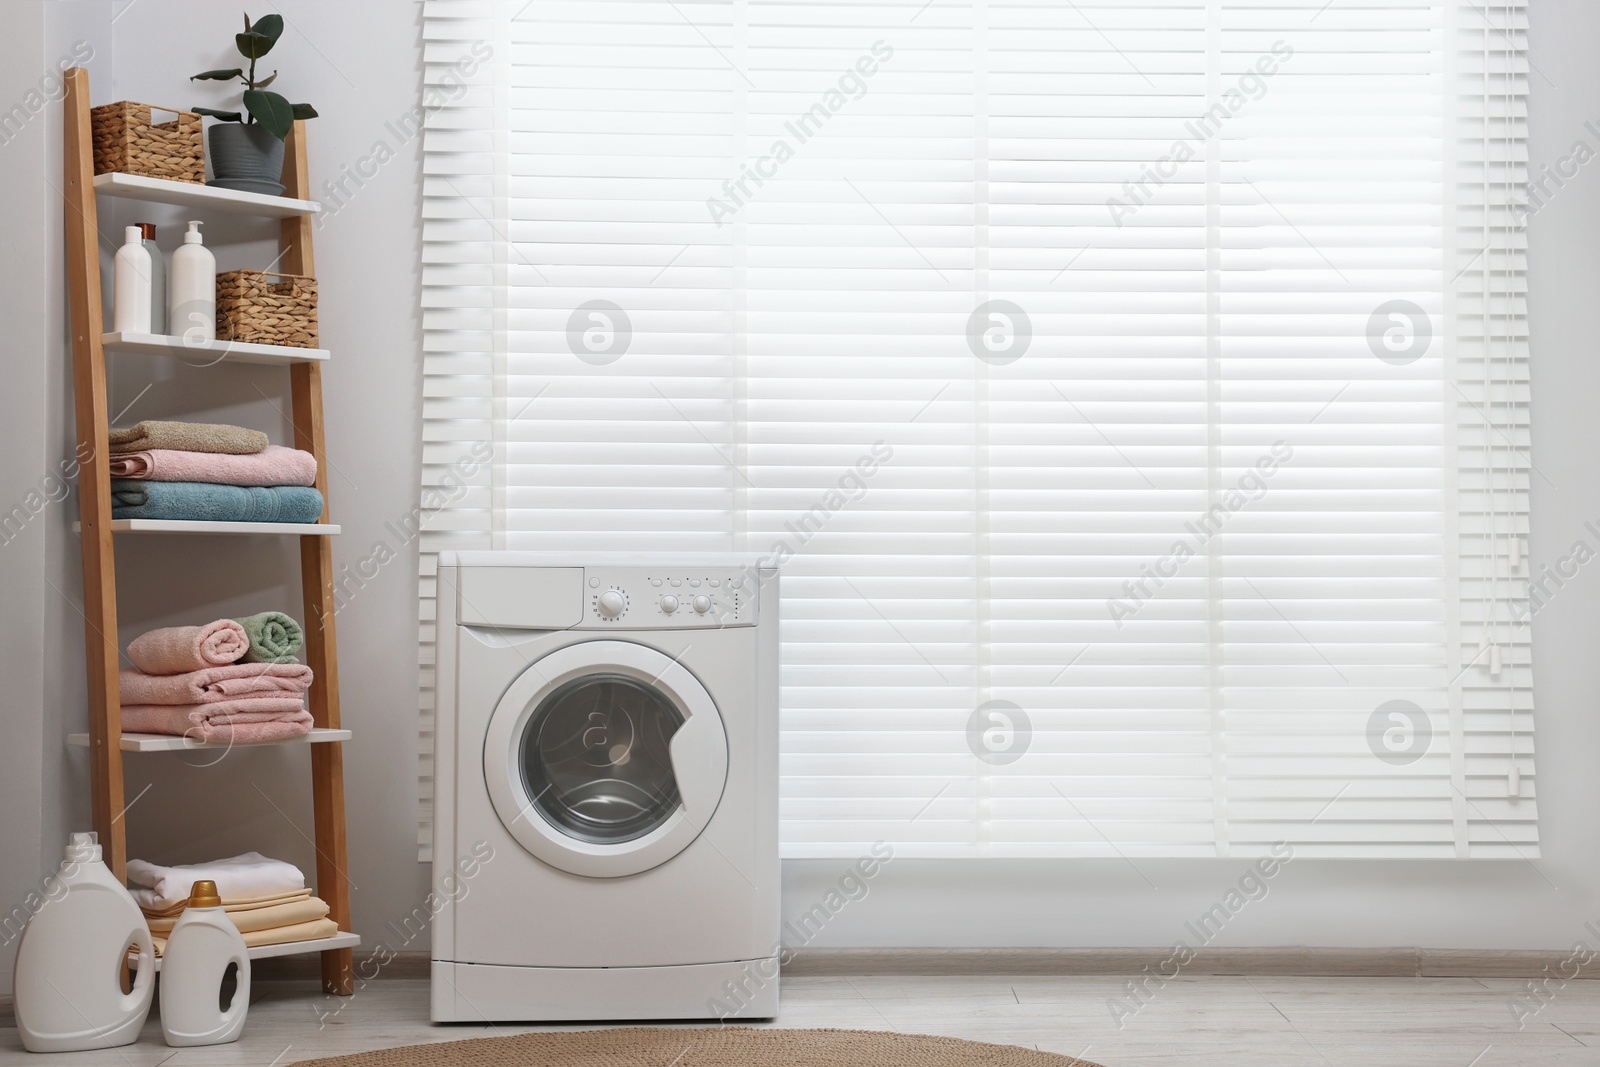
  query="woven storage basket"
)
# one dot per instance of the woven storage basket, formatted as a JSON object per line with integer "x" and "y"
{"x": 128, "y": 142}
{"x": 252, "y": 307}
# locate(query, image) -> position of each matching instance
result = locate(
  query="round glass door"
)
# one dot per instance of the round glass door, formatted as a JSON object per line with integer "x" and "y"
{"x": 596, "y": 758}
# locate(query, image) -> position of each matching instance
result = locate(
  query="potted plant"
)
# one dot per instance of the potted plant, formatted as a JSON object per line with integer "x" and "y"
{"x": 246, "y": 147}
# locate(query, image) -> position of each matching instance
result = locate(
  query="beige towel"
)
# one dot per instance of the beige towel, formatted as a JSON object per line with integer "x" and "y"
{"x": 187, "y": 437}
{"x": 305, "y": 910}
{"x": 278, "y": 935}
{"x": 232, "y": 904}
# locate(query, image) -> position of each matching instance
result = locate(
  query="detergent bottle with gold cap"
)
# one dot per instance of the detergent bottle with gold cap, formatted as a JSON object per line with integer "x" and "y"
{"x": 203, "y": 944}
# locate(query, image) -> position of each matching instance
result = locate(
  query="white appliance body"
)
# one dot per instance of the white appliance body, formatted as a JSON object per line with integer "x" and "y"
{"x": 605, "y": 788}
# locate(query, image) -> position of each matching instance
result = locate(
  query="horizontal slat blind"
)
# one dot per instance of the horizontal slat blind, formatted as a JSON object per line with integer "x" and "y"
{"x": 1053, "y": 350}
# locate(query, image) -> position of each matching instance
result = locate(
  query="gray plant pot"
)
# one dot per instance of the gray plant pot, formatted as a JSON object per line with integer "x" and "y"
{"x": 245, "y": 157}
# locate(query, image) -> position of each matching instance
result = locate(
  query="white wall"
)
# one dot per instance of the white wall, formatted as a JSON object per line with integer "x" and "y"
{"x": 359, "y": 63}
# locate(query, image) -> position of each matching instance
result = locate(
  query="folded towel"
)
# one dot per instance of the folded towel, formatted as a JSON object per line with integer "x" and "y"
{"x": 180, "y": 649}
{"x": 274, "y": 637}
{"x": 239, "y": 720}
{"x": 215, "y": 683}
{"x": 280, "y": 935}
{"x": 188, "y": 437}
{"x": 307, "y": 909}
{"x": 233, "y": 904}
{"x": 204, "y": 502}
{"x": 275, "y": 465}
{"x": 247, "y": 874}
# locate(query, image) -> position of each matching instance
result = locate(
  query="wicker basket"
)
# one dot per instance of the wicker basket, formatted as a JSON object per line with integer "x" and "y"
{"x": 252, "y": 307}
{"x": 127, "y": 141}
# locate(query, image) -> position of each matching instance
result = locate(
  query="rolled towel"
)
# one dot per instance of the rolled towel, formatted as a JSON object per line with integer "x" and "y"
{"x": 187, "y": 436}
{"x": 181, "y": 649}
{"x": 204, "y": 502}
{"x": 245, "y": 875}
{"x": 274, "y": 637}
{"x": 307, "y": 909}
{"x": 215, "y": 683}
{"x": 240, "y": 721}
{"x": 275, "y": 465}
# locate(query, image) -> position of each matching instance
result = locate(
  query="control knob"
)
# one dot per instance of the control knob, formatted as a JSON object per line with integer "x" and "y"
{"x": 611, "y": 604}
{"x": 669, "y": 604}
{"x": 702, "y": 603}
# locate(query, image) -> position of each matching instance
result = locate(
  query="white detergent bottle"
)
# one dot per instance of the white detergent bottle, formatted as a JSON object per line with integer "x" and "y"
{"x": 203, "y": 944}
{"x": 130, "y": 307}
{"x": 73, "y": 958}
{"x": 192, "y": 291}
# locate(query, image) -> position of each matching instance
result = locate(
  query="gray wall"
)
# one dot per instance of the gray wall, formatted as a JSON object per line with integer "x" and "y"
{"x": 359, "y": 62}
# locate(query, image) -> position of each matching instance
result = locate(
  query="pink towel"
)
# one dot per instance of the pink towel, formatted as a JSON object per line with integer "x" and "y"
{"x": 242, "y": 720}
{"x": 215, "y": 683}
{"x": 180, "y": 649}
{"x": 274, "y": 466}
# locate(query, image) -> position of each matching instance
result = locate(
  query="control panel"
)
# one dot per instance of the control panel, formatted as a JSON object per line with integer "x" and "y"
{"x": 639, "y": 598}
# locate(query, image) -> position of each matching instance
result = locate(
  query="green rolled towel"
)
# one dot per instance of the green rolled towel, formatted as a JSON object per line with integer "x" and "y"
{"x": 274, "y": 637}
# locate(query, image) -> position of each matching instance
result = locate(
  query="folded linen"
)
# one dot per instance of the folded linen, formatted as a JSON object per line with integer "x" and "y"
{"x": 274, "y": 465}
{"x": 205, "y": 502}
{"x": 247, "y": 874}
{"x": 231, "y": 904}
{"x": 274, "y": 637}
{"x": 239, "y": 720}
{"x": 187, "y": 437}
{"x": 180, "y": 649}
{"x": 215, "y": 683}
{"x": 307, "y": 909}
{"x": 280, "y": 935}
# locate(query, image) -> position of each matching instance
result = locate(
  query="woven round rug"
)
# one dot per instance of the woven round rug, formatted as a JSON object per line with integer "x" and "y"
{"x": 735, "y": 1046}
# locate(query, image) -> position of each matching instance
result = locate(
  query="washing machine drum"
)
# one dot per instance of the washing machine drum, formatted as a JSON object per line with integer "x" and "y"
{"x": 605, "y": 758}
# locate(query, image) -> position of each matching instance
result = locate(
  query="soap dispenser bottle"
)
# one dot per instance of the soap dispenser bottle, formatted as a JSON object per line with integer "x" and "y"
{"x": 192, "y": 291}
{"x": 130, "y": 311}
{"x": 74, "y": 954}
{"x": 203, "y": 944}
{"x": 158, "y": 278}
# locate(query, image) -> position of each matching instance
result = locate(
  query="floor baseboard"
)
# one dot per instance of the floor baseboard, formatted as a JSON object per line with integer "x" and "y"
{"x": 908, "y": 962}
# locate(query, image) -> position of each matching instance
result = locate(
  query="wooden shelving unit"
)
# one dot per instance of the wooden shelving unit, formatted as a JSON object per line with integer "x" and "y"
{"x": 90, "y": 342}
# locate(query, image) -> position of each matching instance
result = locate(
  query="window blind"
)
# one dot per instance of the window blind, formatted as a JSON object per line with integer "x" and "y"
{"x": 1133, "y": 393}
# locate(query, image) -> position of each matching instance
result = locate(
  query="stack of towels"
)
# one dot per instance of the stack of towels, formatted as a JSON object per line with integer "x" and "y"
{"x": 267, "y": 899}
{"x": 195, "y": 471}
{"x": 233, "y": 680}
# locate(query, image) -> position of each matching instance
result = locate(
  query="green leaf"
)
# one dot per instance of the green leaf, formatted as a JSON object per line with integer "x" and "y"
{"x": 262, "y": 83}
{"x": 217, "y": 75}
{"x": 253, "y": 45}
{"x": 304, "y": 111}
{"x": 226, "y": 116}
{"x": 271, "y": 110}
{"x": 269, "y": 26}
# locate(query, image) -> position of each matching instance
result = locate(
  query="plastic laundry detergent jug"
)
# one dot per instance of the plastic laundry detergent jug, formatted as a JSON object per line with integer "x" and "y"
{"x": 74, "y": 955}
{"x": 203, "y": 944}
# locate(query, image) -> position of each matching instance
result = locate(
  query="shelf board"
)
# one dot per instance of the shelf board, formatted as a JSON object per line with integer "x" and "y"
{"x": 178, "y": 526}
{"x": 296, "y": 948}
{"x": 169, "y": 743}
{"x": 188, "y": 194}
{"x": 204, "y": 355}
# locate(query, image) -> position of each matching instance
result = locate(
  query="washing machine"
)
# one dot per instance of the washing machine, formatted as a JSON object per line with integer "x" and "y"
{"x": 605, "y": 788}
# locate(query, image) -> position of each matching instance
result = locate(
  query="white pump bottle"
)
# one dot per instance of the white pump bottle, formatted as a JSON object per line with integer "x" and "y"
{"x": 192, "y": 291}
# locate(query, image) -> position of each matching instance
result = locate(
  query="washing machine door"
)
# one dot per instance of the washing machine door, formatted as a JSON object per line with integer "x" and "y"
{"x": 605, "y": 758}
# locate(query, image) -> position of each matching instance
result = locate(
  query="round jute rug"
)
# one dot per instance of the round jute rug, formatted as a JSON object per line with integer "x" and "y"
{"x": 736, "y": 1046}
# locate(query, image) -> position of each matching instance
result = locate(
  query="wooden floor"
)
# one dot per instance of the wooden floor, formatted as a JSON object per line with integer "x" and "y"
{"x": 1198, "y": 1022}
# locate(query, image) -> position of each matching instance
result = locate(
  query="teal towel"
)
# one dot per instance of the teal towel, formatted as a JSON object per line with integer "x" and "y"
{"x": 204, "y": 502}
{"x": 274, "y": 637}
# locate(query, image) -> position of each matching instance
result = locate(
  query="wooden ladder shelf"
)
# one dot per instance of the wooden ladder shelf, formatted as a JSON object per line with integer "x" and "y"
{"x": 105, "y": 737}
